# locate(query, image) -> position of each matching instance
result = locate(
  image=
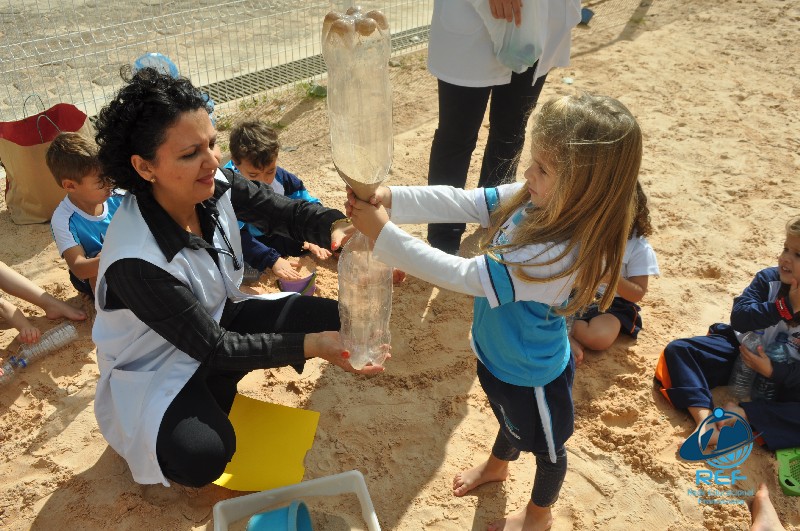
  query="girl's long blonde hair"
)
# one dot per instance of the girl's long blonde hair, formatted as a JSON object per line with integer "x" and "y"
{"x": 595, "y": 145}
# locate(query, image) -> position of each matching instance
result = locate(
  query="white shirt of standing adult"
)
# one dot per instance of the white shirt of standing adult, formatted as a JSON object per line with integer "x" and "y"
{"x": 460, "y": 50}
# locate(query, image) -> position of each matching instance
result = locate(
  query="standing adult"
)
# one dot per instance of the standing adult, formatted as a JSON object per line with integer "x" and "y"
{"x": 462, "y": 57}
{"x": 174, "y": 334}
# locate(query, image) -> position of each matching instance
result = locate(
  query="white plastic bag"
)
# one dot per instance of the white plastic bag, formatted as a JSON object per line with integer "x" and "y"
{"x": 517, "y": 47}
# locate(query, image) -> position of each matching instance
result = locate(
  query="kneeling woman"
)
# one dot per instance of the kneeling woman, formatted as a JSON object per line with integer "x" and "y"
{"x": 174, "y": 334}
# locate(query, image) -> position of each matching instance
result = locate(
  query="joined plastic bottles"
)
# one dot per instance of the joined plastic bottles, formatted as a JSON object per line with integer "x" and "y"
{"x": 52, "y": 340}
{"x": 356, "y": 47}
{"x": 365, "y": 303}
{"x": 742, "y": 376}
{"x": 778, "y": 351}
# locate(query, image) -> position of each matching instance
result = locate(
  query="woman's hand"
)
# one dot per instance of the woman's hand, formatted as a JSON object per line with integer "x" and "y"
{"x": 340, "y": 234}
{"x": 316, "y": 250}
{"x": 507, "y": 9}
{"x": 286, "y": 270}
{"x": 328, "y": 346}
{"x": 759, "y": 362}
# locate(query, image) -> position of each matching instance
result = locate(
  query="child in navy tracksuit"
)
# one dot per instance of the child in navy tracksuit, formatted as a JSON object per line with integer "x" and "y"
{"x": 689, "y": 368}
{"x": 254, "y": 153}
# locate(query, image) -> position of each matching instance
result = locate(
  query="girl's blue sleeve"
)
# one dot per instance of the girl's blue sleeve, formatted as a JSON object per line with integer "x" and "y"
{"x": 752, "y": 310}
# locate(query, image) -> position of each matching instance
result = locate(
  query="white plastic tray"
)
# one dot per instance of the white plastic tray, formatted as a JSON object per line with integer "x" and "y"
{"x": 232, "y": 510}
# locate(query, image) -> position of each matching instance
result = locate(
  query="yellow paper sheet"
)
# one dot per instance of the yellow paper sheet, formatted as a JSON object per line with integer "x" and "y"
{"x": 271, "y": 444}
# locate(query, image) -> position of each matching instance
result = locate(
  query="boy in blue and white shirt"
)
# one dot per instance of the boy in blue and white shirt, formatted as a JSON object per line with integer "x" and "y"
{"x": 80, "y": 221}
{"x": 254, "y": 153}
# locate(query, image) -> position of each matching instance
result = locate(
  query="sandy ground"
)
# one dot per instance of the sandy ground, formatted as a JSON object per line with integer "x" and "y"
{"x": 715, "y": 87}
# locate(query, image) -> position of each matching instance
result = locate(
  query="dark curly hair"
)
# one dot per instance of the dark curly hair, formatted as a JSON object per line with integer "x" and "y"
{"x": 136, "y": 120}
{"x": 641, "y": 221}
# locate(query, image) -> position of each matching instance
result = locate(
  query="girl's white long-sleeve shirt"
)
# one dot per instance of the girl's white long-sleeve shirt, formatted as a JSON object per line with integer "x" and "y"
{"x": 515, "y": 333}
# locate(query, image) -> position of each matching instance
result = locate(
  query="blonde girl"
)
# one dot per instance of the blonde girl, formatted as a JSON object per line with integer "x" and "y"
{"x": 563, "y": 229}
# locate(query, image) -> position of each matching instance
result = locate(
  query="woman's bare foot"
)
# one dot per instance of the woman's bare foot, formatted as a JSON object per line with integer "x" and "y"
{"x": 56, "y": 309}
{"x": 763, "y": 513}
{"x": 493, "y": 469}
{"x": 530, "y": 518}
{"x": 398, "y": 276}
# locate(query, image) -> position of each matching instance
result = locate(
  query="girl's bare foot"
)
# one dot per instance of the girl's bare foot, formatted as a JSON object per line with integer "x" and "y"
{"x": 530, "y": 518}
{"x": 764, "y": 516}
{"x": 493, "y": 469}
{"x": 56, "y": 309}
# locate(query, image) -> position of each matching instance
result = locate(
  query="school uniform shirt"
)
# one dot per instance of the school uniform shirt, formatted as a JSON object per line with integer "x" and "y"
{"x": 638, "y": 260}
{"x": 761, "y": 307}
{"x": 515, "y": 332}
{"x": 161, "y": 293}
{"x": 460, "y": 50}
{"x": 71, "y": 226}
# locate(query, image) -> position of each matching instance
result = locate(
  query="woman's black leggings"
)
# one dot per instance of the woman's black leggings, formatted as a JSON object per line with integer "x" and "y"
{"x": 196, "y": 440}
{"x": 549, "y": 476}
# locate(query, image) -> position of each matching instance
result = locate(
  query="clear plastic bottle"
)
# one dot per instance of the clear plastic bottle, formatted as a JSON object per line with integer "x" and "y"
{"x": 251, "y": 275}
{"x": 52, "y": 340}
{"x": 356, "y": 47}
{"x": 742, "y": 376}
{"x": 365, "y": 303}
{"x": 7, "y": 373}
{"x": 778, "y": 351}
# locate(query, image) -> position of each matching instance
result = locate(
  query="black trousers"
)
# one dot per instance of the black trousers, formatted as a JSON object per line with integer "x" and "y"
{"x": 196, "y": 440}
{"x": 461, "y": 111}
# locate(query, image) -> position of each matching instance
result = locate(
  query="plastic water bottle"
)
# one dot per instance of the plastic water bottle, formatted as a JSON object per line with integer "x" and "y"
{"x": 778, "y": 351}
{"x": 742, "y": 376}
{"x": 251, "y": 275}
{"x": 7, "y": 373}
{"x": 52, "y": 340}
{"x": 365, "y": 303}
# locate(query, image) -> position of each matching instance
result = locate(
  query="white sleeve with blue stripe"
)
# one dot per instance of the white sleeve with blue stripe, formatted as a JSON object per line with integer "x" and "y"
{"x": 480, "y": 276}
{"x": 446, "y": 204}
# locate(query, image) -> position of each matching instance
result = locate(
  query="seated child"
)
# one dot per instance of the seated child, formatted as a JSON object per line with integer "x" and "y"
{"x": 598, "y": 330}
{"x": 80, "y": 221}
{"x": 254, "y": 153}
{"x": 15, "y": 284}
{"x": 689, "y": 368}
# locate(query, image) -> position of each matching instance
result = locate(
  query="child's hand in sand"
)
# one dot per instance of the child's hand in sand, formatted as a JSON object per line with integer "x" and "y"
{"x": 286, "y": 270}
{"x": 316, "y": 250}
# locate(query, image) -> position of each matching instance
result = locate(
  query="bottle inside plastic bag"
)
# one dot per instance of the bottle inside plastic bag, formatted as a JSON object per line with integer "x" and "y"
{"x": 356, "y": 48}
{"x": 517, "y": 47}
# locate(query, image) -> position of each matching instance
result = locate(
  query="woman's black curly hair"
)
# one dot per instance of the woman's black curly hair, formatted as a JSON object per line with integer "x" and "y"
{"x": 136, "y": 120}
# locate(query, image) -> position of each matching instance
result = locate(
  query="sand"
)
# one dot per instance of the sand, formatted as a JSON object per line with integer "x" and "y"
{"x": 715, "y": 87}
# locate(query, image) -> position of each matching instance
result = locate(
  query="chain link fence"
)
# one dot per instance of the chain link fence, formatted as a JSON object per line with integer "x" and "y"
{"x": 73, "y": 50}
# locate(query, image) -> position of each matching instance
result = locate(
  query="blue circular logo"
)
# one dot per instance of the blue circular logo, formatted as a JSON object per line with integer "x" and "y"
{"x": 734, "y": 444}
